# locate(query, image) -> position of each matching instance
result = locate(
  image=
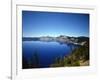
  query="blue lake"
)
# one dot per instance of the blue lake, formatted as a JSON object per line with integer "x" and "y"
{"x": 47, "y": 51}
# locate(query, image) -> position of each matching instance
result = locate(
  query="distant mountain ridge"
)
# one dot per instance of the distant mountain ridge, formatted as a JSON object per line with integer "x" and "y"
{"x": 30, "y": 38}
{"x": 62, "y": 38}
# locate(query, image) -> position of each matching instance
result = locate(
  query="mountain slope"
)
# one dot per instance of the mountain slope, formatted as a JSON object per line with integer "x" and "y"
{"x": 78, "y": 57}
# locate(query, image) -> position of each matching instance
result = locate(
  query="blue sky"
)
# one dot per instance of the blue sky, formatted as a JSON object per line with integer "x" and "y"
{"x": 36, "y": 24}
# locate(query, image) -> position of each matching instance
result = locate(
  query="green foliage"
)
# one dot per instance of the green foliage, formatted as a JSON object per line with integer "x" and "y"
{"x": 77, "y": 55}
{"x": 35, "y": 59}
{"x": 32, "y": 62}
{"x": 77, "y": 63}
{"x": 25, "y": 63}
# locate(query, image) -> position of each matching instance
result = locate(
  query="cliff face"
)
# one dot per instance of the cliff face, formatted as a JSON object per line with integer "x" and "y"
{"x": 78, "y": 57}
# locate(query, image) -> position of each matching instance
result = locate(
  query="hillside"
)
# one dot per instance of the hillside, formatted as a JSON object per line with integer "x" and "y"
{"x": 78, "y": 57}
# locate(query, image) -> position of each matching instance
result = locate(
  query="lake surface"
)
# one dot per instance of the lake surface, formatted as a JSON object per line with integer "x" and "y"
{"x": 47, "y": 52}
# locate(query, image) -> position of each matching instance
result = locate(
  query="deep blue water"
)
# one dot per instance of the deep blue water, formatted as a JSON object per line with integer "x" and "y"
{"x": 47, "y": 51}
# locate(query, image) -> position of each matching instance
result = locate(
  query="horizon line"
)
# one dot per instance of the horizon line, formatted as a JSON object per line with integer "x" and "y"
{"x": 55, "y": 36}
